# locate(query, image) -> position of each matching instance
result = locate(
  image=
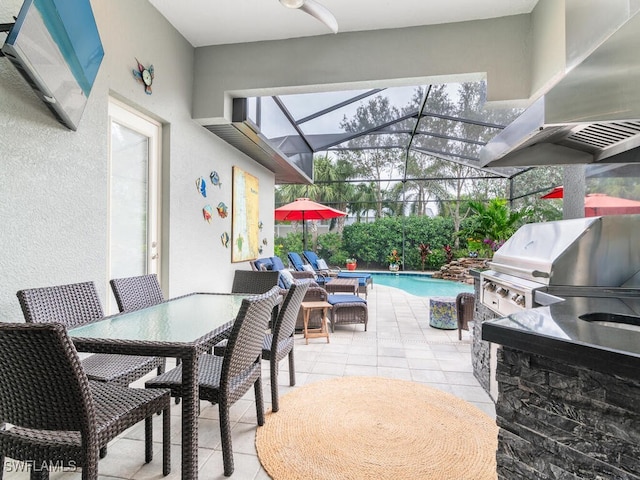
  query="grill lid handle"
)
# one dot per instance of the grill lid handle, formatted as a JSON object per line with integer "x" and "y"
{"x": 533, "y": 273}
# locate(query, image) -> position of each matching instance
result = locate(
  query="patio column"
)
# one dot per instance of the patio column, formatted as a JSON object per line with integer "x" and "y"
{"x": 574, "y": 191}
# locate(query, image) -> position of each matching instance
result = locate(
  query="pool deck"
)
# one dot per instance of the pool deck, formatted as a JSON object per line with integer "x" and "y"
{"x": 399, "y": 344}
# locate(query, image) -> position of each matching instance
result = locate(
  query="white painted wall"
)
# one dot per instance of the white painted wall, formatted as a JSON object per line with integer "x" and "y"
{"x": 495, "y": 49}
{"x": 53, "y": 182}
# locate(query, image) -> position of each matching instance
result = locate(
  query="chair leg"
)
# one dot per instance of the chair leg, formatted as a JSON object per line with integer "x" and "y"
{"x": 257, "y": 388}
{"x": 225, "y": 436}
{"x": 148, "y": 438}
{"x": 166, "y": 442}
{"x": 292, "y": 369}
{"x": 273, "y": 367}
{"x": 90, "y": 471}
{"x": 38, "y": 472}
{"x": 178, "y": 362}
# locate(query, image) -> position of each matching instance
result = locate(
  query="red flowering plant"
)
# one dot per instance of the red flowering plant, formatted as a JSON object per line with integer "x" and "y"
{"x": 425, "y": 251}
{"x": 448, "y": 252}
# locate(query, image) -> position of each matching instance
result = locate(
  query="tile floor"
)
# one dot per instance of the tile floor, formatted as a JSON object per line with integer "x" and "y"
{"x": 399, "y": 343}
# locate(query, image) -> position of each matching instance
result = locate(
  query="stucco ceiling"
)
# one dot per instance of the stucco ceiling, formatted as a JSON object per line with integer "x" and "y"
{"x": 207, "y": 22}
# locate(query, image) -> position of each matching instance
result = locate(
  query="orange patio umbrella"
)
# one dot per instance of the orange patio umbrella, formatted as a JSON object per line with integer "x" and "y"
{"x": 596, "y": 204}
{"x": 302, "y": 209}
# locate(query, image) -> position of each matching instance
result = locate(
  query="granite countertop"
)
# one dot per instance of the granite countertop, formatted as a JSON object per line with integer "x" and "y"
{"x": 557, "y": 331}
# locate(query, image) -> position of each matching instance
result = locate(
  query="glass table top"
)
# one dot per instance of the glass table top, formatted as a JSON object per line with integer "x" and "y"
{"x": 183, "y": 319}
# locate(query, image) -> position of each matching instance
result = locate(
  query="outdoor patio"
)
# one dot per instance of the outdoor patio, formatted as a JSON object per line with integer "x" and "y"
{"x": 399, "y": 344}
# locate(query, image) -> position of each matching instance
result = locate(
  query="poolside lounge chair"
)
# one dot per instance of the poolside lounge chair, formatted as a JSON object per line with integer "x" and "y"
{"x": 299, "y": 266}
{"x": 319, "y": 264}
{"x": 296, "y": 261}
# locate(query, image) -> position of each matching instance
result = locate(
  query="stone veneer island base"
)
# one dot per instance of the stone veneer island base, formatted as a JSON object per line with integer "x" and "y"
{"x": 563, "y": 421}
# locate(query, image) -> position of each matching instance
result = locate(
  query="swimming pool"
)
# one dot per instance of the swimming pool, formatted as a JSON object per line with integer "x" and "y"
{"x": 420, "y": 284}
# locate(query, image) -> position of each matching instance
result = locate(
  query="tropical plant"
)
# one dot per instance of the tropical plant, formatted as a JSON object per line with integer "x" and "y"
{"x": 394, "y": 258}
{"x": 494, "y": 220}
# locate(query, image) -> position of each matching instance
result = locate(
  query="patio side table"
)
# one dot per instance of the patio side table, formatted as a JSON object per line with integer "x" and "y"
{"x": 323, "y": 331}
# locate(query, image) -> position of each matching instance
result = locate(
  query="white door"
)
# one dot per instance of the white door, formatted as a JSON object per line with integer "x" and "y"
{"x": 134, "y": 221}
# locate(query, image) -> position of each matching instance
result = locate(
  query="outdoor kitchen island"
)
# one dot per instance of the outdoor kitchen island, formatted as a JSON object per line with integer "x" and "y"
{"x": 568, "y": 377}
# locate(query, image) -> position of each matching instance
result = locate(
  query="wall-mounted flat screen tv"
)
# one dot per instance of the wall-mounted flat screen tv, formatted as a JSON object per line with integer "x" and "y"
{"x": 56, "y": 46}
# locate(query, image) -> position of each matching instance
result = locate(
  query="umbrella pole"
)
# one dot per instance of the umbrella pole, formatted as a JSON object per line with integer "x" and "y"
{"x": 304, "y": 233}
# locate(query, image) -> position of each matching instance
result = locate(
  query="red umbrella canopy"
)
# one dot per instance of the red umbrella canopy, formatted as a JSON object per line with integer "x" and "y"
{"x": 305, "y": 209}
{"x": 557, "y": 192}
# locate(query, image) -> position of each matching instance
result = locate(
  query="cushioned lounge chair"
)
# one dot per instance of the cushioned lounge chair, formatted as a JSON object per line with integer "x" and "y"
{"x": 58, "y": 416}
{"x": 300, "y": 266}
{"x": 319, "y": 264}
{"x": 296, "y": 261}
{"x": 315, "y": 293}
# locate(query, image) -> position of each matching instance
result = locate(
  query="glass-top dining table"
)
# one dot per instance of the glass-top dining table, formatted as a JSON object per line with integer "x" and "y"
{"x": 183, "y": 327}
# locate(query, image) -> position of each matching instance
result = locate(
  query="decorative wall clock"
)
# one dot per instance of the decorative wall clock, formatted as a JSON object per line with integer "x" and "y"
{"x": 145, "y": 76}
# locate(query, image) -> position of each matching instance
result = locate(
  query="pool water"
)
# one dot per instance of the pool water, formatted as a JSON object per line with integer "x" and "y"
{"x": 420, "y": 284}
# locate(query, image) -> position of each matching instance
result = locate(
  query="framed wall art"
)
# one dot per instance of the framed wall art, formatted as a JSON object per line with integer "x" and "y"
{"x": 244, "y": 216}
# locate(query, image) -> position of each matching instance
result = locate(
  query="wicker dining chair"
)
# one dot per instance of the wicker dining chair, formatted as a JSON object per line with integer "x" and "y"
{"x": 465, "y": 305}
{"x": 74, "y": 305}
{"x": 280, "y": 342}
{"x": 58, "y": 417}
{"x": 224, "y": 380}
{"x": 251, "y": 281}
{"x": 134, "y": 293}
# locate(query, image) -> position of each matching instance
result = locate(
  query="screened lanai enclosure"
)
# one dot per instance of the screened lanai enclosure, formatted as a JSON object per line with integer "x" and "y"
{"x": 400, "y": 151}
{"x": 409, "y": 149}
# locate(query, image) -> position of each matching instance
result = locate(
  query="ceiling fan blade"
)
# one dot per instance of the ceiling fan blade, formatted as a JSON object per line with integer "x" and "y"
{"x": 320, "y": 12}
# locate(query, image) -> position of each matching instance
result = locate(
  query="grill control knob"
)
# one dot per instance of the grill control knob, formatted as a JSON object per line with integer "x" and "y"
{"x": 503, "y": 292}
{"x": 490, "y": 287}
{"x": 520, "y": 300}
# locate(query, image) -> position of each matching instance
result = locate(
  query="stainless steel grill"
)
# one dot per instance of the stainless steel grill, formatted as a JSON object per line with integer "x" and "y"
{"x": 594, "y": 256}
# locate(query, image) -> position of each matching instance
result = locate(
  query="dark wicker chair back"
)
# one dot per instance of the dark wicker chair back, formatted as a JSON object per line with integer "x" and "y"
{"x": 244, "y": 348}
{"x": 224, "y": 380}
{"x": 465, "y": 305}
{"x": 134, "y": 293}
{"x": 250, "y": 281}
{"x": 40, "y": 368}
{"x": 59, "y": 417}
{"x": 286, "y": 322}
{"x": 280, "y": 342}
{"x": 72, "y": 305}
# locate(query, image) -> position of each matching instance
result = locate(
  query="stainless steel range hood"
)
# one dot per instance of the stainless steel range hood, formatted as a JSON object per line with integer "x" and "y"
{"x": 591, "y": 115}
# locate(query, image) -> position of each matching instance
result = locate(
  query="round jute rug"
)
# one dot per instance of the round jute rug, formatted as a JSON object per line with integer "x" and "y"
{"x": 376, "y": 428}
